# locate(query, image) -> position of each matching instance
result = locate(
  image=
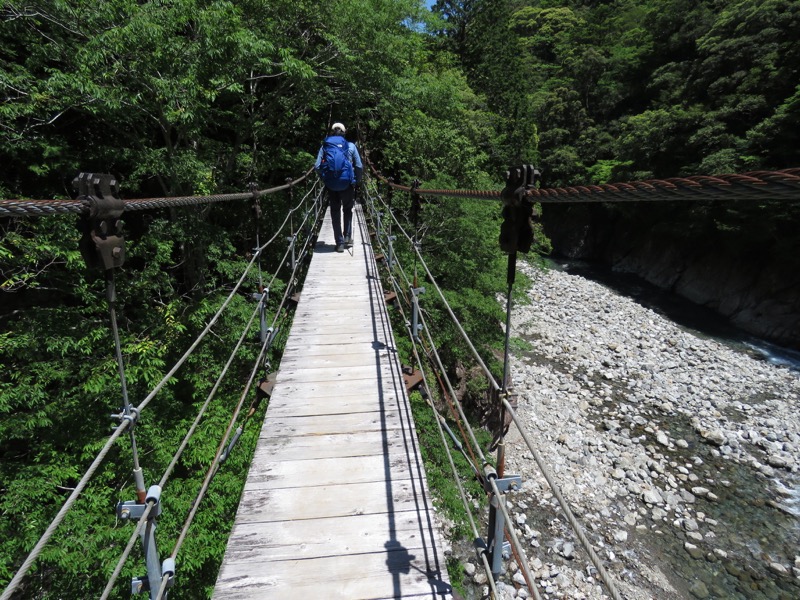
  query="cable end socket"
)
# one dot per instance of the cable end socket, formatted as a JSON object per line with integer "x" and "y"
{"x": 168, "y": 571}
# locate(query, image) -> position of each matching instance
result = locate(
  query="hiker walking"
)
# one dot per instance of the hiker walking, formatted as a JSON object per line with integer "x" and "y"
{"x": 339, "y": 166}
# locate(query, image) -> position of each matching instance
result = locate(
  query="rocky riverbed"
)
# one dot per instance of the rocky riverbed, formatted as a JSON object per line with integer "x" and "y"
{"x": 679, "y": 456}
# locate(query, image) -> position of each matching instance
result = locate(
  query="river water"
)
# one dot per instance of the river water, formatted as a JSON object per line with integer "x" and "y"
{"x": 758, "y": 521}
{"x": 750, "y": 529}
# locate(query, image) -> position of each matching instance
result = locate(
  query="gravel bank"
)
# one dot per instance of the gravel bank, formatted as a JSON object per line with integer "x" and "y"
{"x": 669, "y": 448}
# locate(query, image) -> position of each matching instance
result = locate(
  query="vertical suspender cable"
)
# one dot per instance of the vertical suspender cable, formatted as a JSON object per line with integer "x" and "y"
{"x": 111, "y": 297}
{"x": 510, "y": 278}
{"x": 416, "y": 205}
{"x": 257, "y": 215}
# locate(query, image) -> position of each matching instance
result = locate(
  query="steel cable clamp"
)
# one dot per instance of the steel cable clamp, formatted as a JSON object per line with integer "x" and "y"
{"x": 103, "y": 243}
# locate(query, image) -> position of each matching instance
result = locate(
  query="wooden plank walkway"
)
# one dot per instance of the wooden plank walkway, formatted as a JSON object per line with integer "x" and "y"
{"x": 336, "y": 505}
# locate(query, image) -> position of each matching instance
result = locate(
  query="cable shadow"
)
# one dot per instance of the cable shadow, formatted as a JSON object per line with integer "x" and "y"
{"x": 399, "y": 560}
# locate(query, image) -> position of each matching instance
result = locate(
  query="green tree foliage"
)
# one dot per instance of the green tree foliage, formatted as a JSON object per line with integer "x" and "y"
{"x": 187, "y": 97}
{"x": 498, "y": 69}
{"x": 711, "y": 80}
{"x": 60, "y": 384}
{"x": 170, "y": 94}
{"x": 205, "y": 96}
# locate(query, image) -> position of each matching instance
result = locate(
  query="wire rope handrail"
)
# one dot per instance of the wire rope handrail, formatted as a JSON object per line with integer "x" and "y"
{"x": 490, "y": 481}
{"x": 540, "y": 463}
{"x": 216, "y": 316}
{"x": 446, "y": 304}
{"x": 128, "y": 420}
{"x": 441, "y": 422}
{"x": 783, "y": 184}
{"x": 217, "y": 462}
{"x": 179, "y": 453}
{"x": 398, "y": 290}
{"x": 40, "y": 208}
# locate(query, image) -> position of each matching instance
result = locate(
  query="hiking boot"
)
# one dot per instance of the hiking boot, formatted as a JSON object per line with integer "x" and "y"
{"x": 340, "y": 247}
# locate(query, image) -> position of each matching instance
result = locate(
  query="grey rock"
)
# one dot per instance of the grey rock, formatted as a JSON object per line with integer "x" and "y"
{"x": 652, "y": 497}
{"x": 693, "y": 550}
{"x": 699, "y": 590}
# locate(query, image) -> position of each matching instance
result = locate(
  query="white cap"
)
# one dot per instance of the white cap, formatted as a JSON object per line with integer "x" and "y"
{"x": 338, "y": 126}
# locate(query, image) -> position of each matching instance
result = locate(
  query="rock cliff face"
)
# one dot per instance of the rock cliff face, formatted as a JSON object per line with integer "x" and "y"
{"x": 745, "y": 271}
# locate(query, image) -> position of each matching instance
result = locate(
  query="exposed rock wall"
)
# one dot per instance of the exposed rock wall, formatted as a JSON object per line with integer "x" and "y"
{"x": 748, "y": 274}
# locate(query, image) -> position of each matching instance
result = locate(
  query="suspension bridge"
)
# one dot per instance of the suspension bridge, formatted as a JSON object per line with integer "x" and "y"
{"x": 336, "y": 502}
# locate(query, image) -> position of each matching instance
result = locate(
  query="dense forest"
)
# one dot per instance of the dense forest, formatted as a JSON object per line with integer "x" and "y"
{"x": 184, "y": 97}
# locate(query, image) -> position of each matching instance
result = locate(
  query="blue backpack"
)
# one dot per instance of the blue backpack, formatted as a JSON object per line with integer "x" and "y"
{"x": 335, "y": 169}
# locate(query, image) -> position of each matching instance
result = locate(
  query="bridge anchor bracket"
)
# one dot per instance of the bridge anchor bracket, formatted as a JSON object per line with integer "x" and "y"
{"x": 133, "y": 510}
{"x": 102, "y": 244}
{"x": 498, "y": 548}
{"x": 155, "y": 569}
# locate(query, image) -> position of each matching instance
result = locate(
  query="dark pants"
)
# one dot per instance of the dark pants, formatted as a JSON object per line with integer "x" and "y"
{"x": 342, "y": 204}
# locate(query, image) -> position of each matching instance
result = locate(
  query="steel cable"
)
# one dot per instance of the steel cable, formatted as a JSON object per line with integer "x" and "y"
{"x": 39, "y": 208}
{"x": 462, "y": 494}
{"x": 36, "y": 552}
{"x": 461, "y": 418}
{"x": 518, "y": 549}
{"x": 399, "y": 290}
{"x": 540, "y": 463}
{"x": 214, "y": 467}
{"x": 471, "y": 459}
{"x": 442, "y": 369}
{"x": 219, "y": 380}
{"x": 556, "y": 492}
{"x": 178, "y": 453}
{"x": 216, "y": 462}
{"x": 455, "y": 320}
{"x": 37, "y": 549}
{"x": 782, "y": 185}
{"x": 440, "y": 423}
{"x": 450, "y": 392}
{"x": 564, "y": 506}
{"x": 214, "y": 319}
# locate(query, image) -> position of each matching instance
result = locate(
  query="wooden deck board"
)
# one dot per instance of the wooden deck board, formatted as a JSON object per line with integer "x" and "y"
{"x": 279, "y": 540}
{"x": 326, "y": 424}
{"x": 301, "y": 391}
{"x": 332, "y": 358}
{"x": 333, "y": 445}
{"x": 313, "y": 373}
{"x": 379, "y": 575}
{"x": 298, "y": 504}
{"x": 313, "y": 338}
{"x": 344, "y": 470}
{"x": 333, "y": 405}
{"x": 336, "y": 504}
